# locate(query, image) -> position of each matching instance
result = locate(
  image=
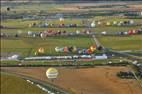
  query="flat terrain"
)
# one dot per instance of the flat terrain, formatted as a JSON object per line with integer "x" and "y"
{"x": 28, "y": 46}
{"x": 122, "y": 43}
{"x": 99, "y": 80}
{"x": 13, "y": 85}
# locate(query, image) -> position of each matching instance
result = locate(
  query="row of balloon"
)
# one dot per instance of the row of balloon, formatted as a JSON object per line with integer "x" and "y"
{"x": 112, "y": 23}
{"x": 74, "y": 49}
{"x": 37, "y": 23}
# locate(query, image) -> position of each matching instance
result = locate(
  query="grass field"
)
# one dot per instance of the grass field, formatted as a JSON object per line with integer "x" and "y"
{"x": 28, "y": 46}
{"x": 25, "y": 45}
{"x": 23, "y": 25}
{"x": 13, "y": 85}
{"x": 122, "y": 43}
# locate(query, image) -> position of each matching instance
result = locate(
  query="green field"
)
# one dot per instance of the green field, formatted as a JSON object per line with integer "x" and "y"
{"x": 23, "y": 25}
{"x": 14, "y": 85}
{"x": 122, "y": 43}
{"x": 27, "y": 46}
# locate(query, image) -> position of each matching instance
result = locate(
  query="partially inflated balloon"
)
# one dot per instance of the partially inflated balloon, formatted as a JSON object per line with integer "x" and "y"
{"x": 41, "y": 50}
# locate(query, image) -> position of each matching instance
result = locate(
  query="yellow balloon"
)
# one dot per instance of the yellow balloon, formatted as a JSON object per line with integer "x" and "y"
{"x": 52, "y": 73}
{"x": 92, "y": 48}
{"x": 41, "y": 50}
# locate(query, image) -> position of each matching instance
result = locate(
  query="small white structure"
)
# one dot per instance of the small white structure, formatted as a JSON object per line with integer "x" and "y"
{"x": 13, "y": 57}
{"x": 104, "y": 56}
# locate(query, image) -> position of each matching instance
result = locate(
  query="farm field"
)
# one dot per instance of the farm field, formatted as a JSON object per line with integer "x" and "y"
{"x": 11, "y": 84}
{"x": 91, "y": 79}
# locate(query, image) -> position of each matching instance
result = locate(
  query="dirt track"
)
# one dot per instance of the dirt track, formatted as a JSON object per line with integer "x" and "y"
{"x": 99, "y": 80}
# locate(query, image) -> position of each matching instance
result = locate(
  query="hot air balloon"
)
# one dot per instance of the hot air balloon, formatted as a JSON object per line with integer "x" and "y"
{"x": 108, "y": 23}
{"x": 99, "y": 23}
{"x": 77, "y": 32}
{"x": 66, "y": 49}
{"x": 30, "y": 33}
{"x": 36, "y": 53}
{"x": 52, "y": 73}
{"x": 41, "y": 50}
{"x": 93, "y": 24}
{"x": 89, "y": 51}
{"x": 93, "y": 48}
{"x": 131, "y": 22}
{"x": 61, "y": 19}
{"x": 74, "y": 49}
{"x": 114, "y": 22}
{"x": 57, "y": 49}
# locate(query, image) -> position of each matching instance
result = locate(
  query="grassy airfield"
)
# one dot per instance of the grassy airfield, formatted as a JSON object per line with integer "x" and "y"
{"x": 14, "y": 85}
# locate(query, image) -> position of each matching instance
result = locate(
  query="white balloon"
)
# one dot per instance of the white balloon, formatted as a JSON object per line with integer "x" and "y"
{"x": 61, "y": 19}
{"x": 93, "y": 24}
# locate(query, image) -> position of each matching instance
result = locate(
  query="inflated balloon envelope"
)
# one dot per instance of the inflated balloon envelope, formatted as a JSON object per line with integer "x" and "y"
{"x": 52, "y": 73}
{"x": 93, "y": 48}
{"x": 41, "y": 50}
